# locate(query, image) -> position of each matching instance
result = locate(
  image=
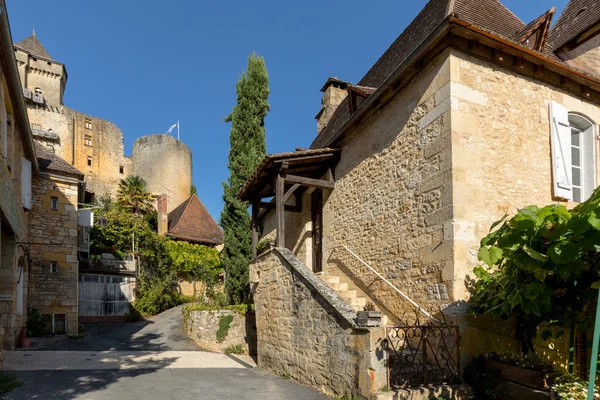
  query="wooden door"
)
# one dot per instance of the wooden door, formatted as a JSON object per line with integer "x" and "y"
{"x": 317, "y": 229}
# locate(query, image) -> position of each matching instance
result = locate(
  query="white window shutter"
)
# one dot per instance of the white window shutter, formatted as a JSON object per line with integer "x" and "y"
{"x": 26, "y": 183}
{"x": 560, "y": 139}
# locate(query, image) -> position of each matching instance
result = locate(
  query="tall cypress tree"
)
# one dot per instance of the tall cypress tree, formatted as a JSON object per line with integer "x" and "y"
{"x": 248, "y": 147}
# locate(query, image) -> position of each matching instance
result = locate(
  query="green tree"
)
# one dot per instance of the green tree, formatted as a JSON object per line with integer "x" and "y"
{"x": 248, "y": 147}
{"x": 193, "y": 190}
{"x": 133, "y": 196}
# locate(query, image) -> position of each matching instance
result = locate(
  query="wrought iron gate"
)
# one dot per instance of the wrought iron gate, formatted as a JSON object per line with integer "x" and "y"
{"x": 105, "y": 295}
{"x": 423, "y": 354}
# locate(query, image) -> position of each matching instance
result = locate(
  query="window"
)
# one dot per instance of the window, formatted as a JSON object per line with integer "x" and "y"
{"x": 88, "y": 140}
{"x": 573, "y": 140}
{"x": 54, "y": 203}
{"x": 88, "y": 123}
{"x": 89, "y": 161}
{"x": 121, "y": 169}
{"x": 582, "y": 157}
{"x": 53, "y": 267}
{"x": 38, "y": 90}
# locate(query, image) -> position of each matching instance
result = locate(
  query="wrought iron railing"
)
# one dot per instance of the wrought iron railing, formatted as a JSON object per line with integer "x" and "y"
{"x": 421, "y": 355}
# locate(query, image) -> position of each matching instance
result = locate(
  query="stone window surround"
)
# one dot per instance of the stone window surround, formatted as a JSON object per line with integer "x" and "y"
{"x": 53, "y": 267}
{"x": 88, "y": 140}
{"x": 88, "y": 123}
{"x": 54, "y": 203}
{"x": 89, "y": 161}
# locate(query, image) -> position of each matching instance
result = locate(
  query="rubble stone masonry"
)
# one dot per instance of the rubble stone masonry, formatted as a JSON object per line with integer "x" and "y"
{"x": 54, "y": 236}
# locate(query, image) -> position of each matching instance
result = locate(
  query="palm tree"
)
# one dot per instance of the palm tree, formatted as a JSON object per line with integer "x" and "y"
{"x": 133, "y": 196}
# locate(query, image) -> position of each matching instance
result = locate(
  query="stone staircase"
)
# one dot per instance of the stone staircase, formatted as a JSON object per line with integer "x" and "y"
{"x": 351, "y": 296}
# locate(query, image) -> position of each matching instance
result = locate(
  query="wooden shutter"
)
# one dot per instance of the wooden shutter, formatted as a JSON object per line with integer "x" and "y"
{"x": 560, "y": 139}
{"x": 26, "y": 183}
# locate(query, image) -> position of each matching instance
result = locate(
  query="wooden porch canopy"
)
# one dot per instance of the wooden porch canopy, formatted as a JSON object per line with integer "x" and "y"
{"x": 278, "y": 177}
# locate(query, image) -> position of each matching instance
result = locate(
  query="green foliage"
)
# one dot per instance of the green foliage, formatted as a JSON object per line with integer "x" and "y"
{"x": 8, "y": 383}
{"x": 133, "y": 195}
{"x": 568, "y": 387}
{"x": 193, "y": 190}
{"x": 35, "y": 323}
{"x": 235, "y": 349}
{"x": 247, "y": 148}
{"x": 162, "y": 259}
{"x": 262, "y": 246}
{"x": 541, "y": 266}
{"x": 224, "y": 324}
{"x": 134, "y": 314}
{"x": 286, "y": 374}
{"x": 528, "y": 361}
{"x": 385, "y": 389}
{"x": 486, "y": 383}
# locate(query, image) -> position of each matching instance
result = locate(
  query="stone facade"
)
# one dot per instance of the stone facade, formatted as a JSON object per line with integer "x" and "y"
{"x": 94, "y": 145}
{"x": 202, "y": 326}
{"x": 54, "y": 232}
{"x": 85, "y": 140}
{"x": 585, "y": 56}
{"x": 306, "y": 331}
{"x": 166, "y": 165}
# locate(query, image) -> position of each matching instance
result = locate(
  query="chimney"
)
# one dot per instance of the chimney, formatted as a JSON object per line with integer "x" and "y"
{"x": 163, "y": 216}
{"x": 334, "y": 93}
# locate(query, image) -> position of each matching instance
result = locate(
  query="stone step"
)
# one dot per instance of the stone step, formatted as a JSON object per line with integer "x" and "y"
{"x": 359, "y": 302}
{"x": 347, "y": 295}
{"x": 330, "y": 279}
{"x": 338, "y": 286}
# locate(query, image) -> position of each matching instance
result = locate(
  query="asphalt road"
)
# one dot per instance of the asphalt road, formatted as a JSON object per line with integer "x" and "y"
{"x": 144, "y": 360}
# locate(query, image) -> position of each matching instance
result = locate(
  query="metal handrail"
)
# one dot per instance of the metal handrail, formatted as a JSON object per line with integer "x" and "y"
{"x": 411, "y": 301}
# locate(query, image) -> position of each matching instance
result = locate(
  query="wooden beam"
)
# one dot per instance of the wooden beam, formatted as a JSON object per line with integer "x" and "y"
{"x": 270, "y": 206}
{"x": 330, "y": 175}
{"x": 254, "y": 223}
{"x": 280, "y": 210}
{"x": 318, "y": 183}
{"x": 290, "y": 192}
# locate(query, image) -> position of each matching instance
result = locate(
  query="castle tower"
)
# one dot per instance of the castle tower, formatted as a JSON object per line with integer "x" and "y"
{"x": 165, "y": 163}
{"x": 39, "y": 72}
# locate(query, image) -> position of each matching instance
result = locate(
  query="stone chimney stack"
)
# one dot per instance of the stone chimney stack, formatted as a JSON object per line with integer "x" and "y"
{"x": 334, "y": 92}
{"x": 163, "y": 215}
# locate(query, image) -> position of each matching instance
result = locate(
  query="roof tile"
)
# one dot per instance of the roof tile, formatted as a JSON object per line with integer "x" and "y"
{"x": 191, "y": 221}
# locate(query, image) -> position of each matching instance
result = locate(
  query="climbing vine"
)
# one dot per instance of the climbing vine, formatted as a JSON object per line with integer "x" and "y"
{"x": 541, "y": 266}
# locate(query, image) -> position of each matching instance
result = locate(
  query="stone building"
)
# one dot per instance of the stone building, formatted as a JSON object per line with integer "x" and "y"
{"x": 17, "y": 164}
{"x": 470, "y": 114}
{"x": 94, "y": 145}
{"x": 54, "y": 233}
{"x": 190, "y": 222}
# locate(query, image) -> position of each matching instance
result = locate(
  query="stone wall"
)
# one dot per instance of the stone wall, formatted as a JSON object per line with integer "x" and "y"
{"x": 501, "y": 151}
{"x": 586, "y": 56}
{"x": 54, "y": 237}
{"x": 393, "y": 195}
{"x": 166, "y": 165}
{"x": 202, "y": 326}
{"x": 308, "y": 332}
{"x": 104, "y": 145}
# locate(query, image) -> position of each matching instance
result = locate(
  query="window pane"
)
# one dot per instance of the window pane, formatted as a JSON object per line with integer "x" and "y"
{"x": 576, "y": 176}
{"x": 577, "y": 195}
{"x": 575, "y": 138}
{"x": 575, "y": 156}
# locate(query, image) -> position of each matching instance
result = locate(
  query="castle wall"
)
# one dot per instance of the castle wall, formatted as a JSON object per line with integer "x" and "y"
{"x": 585, "y": 56}
{"x": 83, "y": 136}
{"x": 165, "y": 163}
{"x": 48, "y": 75}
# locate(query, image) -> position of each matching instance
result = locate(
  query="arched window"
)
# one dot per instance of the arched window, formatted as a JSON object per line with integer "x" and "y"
{"x": 38, "y": 90}
{"x": 583, "y": 153}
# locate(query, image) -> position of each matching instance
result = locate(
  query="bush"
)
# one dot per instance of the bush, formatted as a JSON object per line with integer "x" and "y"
{"x": 568, "y": 387}
{"x": 241, "y": 309}
{"x": 224, "y": 324}
{"x": 157, "y": 297}
{"x": 235, "y": 349}
{"x": 35, "y": 323}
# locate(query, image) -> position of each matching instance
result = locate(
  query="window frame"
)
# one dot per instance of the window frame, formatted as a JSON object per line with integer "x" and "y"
{"x": 588, "y": 164}
{"x": 88, "y": 123}
{"x": 87, "y": 140}
{"x": 54, "y": 203}
{"x": 53, "y": 267}
{"x": 89, "y": 161}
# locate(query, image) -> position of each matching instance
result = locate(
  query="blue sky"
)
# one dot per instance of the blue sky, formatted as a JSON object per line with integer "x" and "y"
{"x": 146, "y": 64}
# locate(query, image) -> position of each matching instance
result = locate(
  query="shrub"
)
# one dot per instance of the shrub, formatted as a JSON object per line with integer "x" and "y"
{"x": 8, "y": 383}
{"x": 235, "y": 349}
{"x": 568, "y": 387}
{"x": 35, "y": 323}
{"x": 224, "y": 324}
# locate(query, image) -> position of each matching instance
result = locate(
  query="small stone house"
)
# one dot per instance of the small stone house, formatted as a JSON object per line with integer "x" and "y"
{"x": 17, "y": 164}
{"x": 190, "y": 221}
{"x": 54, "y": 233}
{"x": 470, "y": 114}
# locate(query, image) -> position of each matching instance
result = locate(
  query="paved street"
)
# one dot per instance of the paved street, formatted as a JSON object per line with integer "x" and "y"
{"x": 144, "y": 360}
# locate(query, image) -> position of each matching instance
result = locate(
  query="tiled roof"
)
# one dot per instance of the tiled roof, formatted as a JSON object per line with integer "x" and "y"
{"x": 48, "y": 161}
{"x": 490, "y": 15}
{"x": 33, "y": 46}
{"x": 191, "y": 221}
{"x": 578, "y": 16}
{"x": 539, "y": 22}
